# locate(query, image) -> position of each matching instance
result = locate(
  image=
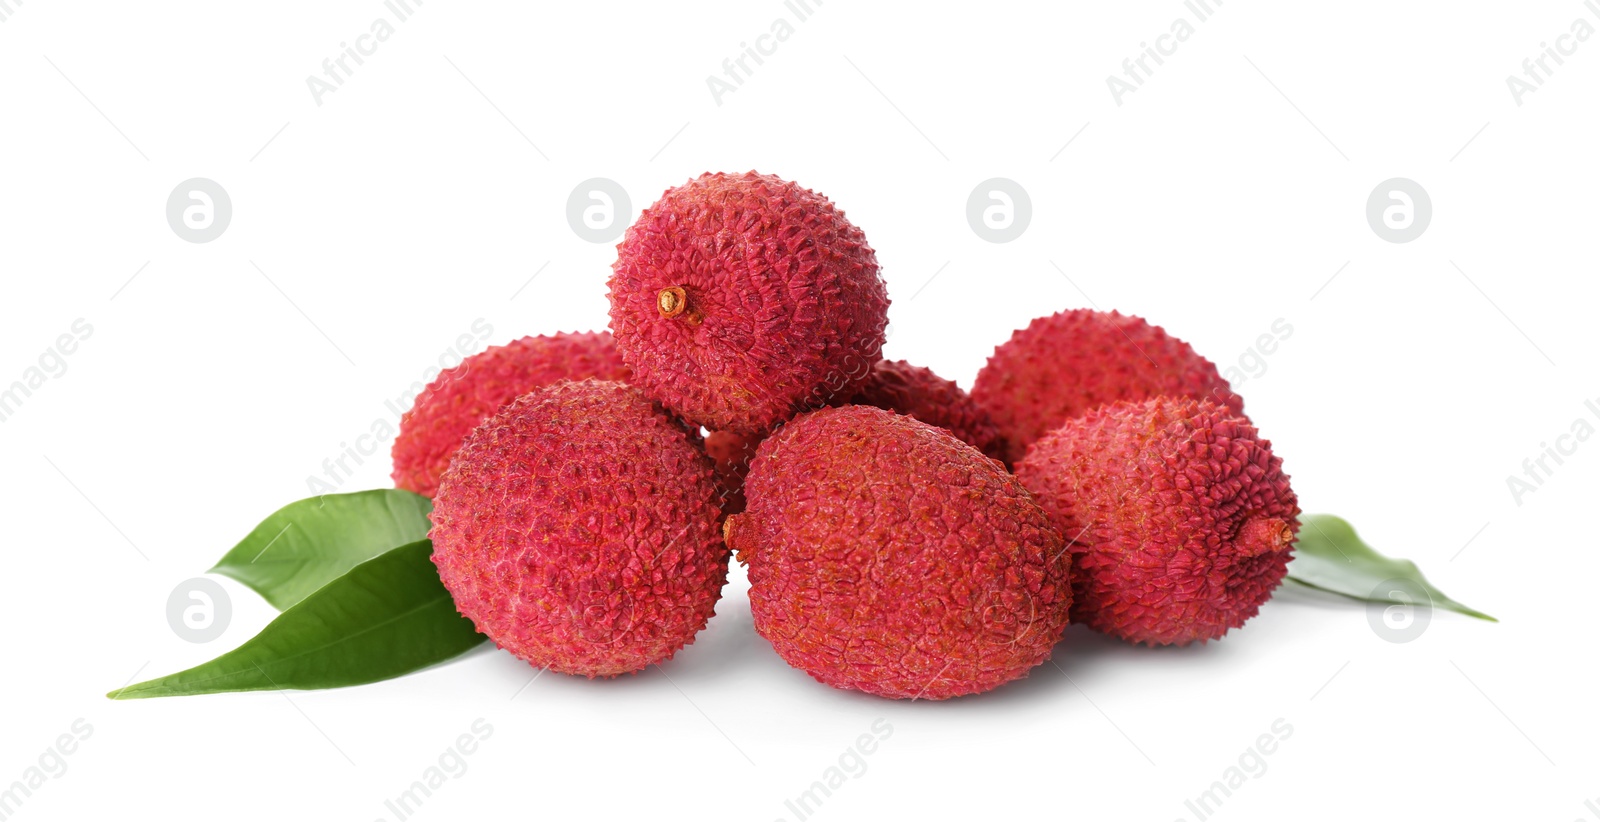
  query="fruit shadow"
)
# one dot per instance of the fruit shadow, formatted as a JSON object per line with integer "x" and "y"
{"x": 1083, "y": 662}
{"x": 730, "y": 654}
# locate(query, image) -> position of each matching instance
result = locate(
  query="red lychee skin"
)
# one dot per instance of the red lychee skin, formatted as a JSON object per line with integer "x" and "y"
{"x": 1072, "y": 362}
{"x": 577, "y": 529}
{"x": 887, "y": 556}
{"x": 741, "y": 299}
{"x": 462, "y": 397}
{"x": 1180, "y": 518}
{"x": 893, "y": 385}
{"x": 731, "y": 454}
{"x": 898, "y": 386}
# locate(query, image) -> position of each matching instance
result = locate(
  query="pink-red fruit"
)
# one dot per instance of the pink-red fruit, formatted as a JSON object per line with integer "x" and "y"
{"x": 887, "y": 556}
{"x": 893, "y": 385}
{"x": 461, "y": 397}
{"x": 898, "y": 386}
{"x": 741, "y": 299}
{"x": 577, "y": 529}
{"x": 1180, "y": 517}
{"x": 1071, "y": 362}
{"x": 731, "y": 454}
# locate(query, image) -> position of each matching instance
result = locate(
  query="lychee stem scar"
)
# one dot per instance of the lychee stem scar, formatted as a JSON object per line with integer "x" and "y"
{"x": 674, "y": 302}
{"x": 1263, "y": 535}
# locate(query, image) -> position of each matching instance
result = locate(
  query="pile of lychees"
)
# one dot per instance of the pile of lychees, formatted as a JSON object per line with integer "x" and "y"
{"x": 902, "y": 537}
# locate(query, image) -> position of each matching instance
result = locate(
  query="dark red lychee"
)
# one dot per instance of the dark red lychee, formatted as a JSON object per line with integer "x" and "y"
{"x": 461, "y": 397}
{"x": 1071, "y": 362}
{"x": 577, "y": 529}
{"x": 741, "y": 299}
{"x": 898, "y": 386}
{"x": 887, "y": 556}
{"x": 1179, "y": 515}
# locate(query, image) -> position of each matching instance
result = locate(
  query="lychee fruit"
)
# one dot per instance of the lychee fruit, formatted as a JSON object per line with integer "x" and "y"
{"x": 1179, "y": 517}
{"x": 887, "y": 556}
{"x": 741, "y": 299}
{"x": 577, "y": 529}
{"x": 731, "y": 454}
{"x": 898, "y": 386}
{"x": 1071, "y": 362}
{"x": 461, "y": 397}
{"x": 893, "y": 385}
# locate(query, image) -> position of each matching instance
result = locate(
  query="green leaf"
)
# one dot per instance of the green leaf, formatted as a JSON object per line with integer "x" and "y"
{"x": 1330, "y": 557}
{"x": 388, "y": 616}
{"x": 307, "y": 544}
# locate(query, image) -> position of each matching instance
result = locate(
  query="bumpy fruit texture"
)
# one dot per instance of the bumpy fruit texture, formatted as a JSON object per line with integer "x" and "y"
{"x": 898, "y": 386}
{"x": 740, "y": 299}
{"x": 462, "y": 397}
{"x": 893, "y": 385}
{"x": 1071, "y": 362}
{"x": 577, "y": 529}
{"x": 1180, "y": 518}
{"x": 731, "y": 454}
{"x": 887, "y": 556}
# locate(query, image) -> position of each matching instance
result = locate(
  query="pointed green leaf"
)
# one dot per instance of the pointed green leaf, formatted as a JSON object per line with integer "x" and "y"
{"x": 307, "y": 544}
{"x": 1330, "y": 557}
{"x": 388, "y": 616}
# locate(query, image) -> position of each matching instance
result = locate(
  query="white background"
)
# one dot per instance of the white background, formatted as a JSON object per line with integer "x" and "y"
{"x": 374, "y": 229}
